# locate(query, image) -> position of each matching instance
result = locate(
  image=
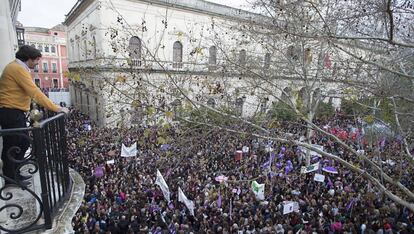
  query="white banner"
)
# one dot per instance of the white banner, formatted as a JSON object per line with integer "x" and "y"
{"x": 258, "y": 190}
{"x": 310, "y": 168}
{"x": 188, "y": 203}
{"x": 313, "y": 153}
{"x": 289, "y": 207}
{"x": 319, "y": 177}
{"x": 129, "y": 151}
{"x": 163, "y": 185}
{"x": 110, "y": 161}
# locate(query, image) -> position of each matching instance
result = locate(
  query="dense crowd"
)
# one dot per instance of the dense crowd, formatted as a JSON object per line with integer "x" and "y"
{"x": 125, "y": 199}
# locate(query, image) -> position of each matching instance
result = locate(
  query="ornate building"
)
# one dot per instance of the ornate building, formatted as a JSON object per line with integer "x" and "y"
{"x": 128, "y": 54}
{"x": 50, "y": 73}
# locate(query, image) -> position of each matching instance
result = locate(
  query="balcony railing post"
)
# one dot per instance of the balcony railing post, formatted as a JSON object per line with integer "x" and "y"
{"x": 64, "y": 151}
{"x": 39, "y": 149}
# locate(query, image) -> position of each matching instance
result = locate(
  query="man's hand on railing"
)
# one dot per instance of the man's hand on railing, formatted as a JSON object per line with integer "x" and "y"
{"x": 63, "y": 110}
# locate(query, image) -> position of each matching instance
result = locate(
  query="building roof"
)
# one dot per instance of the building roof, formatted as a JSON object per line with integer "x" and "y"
{"x": 59, "y": 28}
{"x": 36, "y": 29}
{"x": 192, "y": 5}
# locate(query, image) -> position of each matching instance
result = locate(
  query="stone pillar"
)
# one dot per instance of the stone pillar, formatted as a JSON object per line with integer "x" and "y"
{"x": 8, "y": 37}
{"x": 8, "y": 42}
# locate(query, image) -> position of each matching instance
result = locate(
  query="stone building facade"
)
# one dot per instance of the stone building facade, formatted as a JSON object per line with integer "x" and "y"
{"x": 126, "y": 54}
{"x": 50, "y": 73}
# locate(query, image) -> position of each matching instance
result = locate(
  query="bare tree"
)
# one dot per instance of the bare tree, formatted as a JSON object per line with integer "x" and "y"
{"x": 293, "y": 52}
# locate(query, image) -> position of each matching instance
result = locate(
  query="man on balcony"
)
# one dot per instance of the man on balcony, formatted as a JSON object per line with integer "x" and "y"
{"x": 16, "y": 91}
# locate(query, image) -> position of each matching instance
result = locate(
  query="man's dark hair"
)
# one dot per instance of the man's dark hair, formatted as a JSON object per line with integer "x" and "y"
{"x": 27, "y": 52}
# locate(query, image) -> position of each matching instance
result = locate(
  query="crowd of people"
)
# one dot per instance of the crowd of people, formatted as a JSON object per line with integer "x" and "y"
{"x": 121, "y": 195}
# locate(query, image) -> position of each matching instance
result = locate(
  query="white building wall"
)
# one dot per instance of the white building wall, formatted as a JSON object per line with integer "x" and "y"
{"x": 8, "y": 37}
{"x": 122, "y": 19}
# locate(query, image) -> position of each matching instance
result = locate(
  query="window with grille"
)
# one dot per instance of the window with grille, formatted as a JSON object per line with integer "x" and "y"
{"x": 45, "y": 67}
{"x": 54, "y": 67}
{"x": 135, "y": 50}
{"x": 177, "y": 54}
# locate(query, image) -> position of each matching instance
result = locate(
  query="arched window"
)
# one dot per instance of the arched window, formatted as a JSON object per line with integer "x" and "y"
{"x": 53, "y": 49}
{"x": 135, "y": 50}
{"x": 40, "y": 47}
{"x": 267, "y": 61}
{"x": 212, "y": 60}
{"x": 177, "y": 55}
{"x": 242, "y": 57}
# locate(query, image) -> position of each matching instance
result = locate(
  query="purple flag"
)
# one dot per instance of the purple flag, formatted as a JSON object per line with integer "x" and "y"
{"x": 315, "y": 158}
{"x": 330, "y": 170}
{"x": 99, "y": 172}
{"x": 278, "y": 165}
{"x": 330, "y": 184}
{"x": 288, "y": 167}
{"x": 350, "y": 204}
{"x": 219, "y": 200}
{"x": 171, "y": 206}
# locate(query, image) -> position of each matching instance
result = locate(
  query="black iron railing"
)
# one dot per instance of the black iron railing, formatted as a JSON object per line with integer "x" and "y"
{"x": 31, "y": 204}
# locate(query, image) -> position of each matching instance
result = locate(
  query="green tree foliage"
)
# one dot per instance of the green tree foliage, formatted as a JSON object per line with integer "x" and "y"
{"x": 282, "y": 112}
{"x": 325, "y": 110}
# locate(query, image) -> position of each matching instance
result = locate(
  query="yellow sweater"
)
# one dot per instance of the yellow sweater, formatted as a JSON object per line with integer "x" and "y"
{"x": 17, "y": 89}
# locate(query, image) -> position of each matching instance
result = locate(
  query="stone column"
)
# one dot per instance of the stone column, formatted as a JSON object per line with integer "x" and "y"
{"x": 8, "y": 42}
{"x": 8, "y": 37}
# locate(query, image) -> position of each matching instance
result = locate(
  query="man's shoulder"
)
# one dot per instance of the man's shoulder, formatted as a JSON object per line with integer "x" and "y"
{"x": 13, "y": 65}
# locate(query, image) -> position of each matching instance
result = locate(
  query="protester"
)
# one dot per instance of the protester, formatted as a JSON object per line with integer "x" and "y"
{"x": 125, "y": 199}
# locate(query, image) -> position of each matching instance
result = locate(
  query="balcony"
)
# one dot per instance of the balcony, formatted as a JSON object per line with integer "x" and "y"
{"x": 55, "y": 192}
